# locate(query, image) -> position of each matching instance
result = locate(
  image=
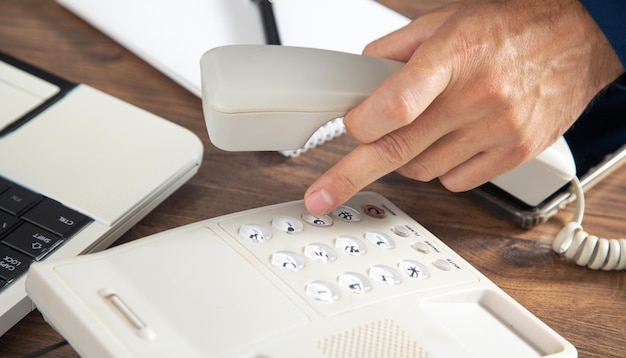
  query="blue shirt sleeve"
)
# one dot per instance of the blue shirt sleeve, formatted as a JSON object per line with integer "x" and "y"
{"x": 610, "y": 15}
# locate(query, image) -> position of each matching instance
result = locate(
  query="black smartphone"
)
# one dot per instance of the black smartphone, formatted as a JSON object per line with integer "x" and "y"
{"x": 598, "y": 144}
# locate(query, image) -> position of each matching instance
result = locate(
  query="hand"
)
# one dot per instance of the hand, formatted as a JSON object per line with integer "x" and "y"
{"x": 487, "y": 86}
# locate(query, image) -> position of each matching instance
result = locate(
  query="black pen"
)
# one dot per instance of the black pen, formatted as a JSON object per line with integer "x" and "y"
{"x": 269, "y": 22}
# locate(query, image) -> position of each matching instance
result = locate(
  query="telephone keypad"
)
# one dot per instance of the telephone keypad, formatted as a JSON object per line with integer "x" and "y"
{"x": 366, "y": 250}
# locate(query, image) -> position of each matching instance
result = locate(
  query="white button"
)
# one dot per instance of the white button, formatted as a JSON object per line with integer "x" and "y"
{"x": 350, "y": 245}
{"x": 255, "y": 232}
{"x": 317, "y": 220}
{"x": 442, "y": 264}
{"x": 322, "y": 291}
{"x": 287, "y": 224}
{"x": 320, "y": 252}
{"x": 414, "y": 269}
{"x": 347, "y": 214}
{"x": 421, "y": 247}
{"x": 354, "y": 282}
{"x": 401, "y": 230}
{"x": 380, "y": 239}
{"x": 385, "y": 274}
{"x": 287, "y": 260}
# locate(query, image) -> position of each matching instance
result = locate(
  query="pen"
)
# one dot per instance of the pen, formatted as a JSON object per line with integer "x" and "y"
{"x": 269, "y": 22}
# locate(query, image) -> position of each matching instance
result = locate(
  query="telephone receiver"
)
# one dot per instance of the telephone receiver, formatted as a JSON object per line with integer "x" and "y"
{"x": 274, "y": 98}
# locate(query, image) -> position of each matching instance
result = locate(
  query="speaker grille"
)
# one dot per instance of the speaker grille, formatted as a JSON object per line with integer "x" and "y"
{"x": 380, "y": 339}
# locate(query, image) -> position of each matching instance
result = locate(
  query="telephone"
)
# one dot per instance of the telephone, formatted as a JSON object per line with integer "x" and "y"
{"x": 264, "y": 97}
{"x": 364, "y": 281}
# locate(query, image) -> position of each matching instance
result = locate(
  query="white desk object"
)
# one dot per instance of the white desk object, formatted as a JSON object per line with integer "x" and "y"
{"x": 173, "y": 35}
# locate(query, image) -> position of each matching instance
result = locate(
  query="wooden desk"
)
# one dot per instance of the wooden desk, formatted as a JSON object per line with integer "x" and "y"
{"x": 586, "y": 307}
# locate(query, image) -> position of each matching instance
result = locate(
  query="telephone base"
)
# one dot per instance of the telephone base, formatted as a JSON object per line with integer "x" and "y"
{"x": 278, "y": 282}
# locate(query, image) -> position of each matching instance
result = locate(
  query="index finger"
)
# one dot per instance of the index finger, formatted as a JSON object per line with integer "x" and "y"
{"x": 367, "y": 163}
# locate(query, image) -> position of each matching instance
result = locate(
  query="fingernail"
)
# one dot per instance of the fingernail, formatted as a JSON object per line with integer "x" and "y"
{"x": 319, "y": 202}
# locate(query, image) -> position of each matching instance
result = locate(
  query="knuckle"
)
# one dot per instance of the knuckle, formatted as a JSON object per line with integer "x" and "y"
{"x": 464, "y": 179}
{"x": 519, "y": 146}
{"x": 524, "y": 151}
{"x": 393, "y": 111}
{"x": 402, "y": 107}
{"x": 497, "y": 90}
{"x": 419, "y": 170}
{"x": 345, "y": 184}
{"x": 394, "y": 149}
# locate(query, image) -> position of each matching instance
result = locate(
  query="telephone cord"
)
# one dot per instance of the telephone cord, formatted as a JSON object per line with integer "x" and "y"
{"x": 325, "y": 133}
{"x": 588, "y": 250}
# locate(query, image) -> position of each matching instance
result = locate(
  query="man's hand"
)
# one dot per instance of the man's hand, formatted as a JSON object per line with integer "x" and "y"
{"x": 487, "y": 86}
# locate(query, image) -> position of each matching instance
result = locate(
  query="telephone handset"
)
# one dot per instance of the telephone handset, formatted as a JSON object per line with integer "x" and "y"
{"x": 265, "y": 97}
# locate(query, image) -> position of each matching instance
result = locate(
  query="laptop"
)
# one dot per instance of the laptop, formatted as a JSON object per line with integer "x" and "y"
{"x": 78, "y": 168}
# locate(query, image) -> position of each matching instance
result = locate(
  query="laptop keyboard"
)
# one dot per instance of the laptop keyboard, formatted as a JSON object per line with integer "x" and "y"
{"x": 31, "y": 227}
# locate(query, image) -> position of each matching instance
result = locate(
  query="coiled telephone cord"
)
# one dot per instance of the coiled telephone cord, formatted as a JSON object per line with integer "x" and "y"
{"x": 325, "y": 133}
{"x": 588, "y": 250}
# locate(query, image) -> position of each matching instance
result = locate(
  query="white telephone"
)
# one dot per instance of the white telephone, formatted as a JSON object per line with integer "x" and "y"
{"x": 364, "y": 281}
{"x": 263, "y": 97}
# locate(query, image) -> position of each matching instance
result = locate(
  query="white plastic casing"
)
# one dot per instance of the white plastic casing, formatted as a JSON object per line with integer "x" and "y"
{"x": 263, "y": 97}
{"x": 536, "y": 180}
{"x": 213, "y": 289}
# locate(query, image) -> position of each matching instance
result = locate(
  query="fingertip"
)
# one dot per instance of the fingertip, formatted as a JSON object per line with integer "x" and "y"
{"x": 318, "y": 202}
{"x": 347, "y": 177}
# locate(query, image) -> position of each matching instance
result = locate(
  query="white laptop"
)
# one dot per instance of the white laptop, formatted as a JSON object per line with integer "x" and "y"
{"x": 78, "y": 168}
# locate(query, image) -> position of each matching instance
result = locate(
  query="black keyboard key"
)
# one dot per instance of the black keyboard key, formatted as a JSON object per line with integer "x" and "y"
{"x": 56, "y": 217}
{"x": 6, "y": 222}
{"x": 12, "y": 263}
{"x": 32, "y": 240}
{"x": 3, "y": 185}
{"x": 16, "y": 199}
{"x": 31, "y": 227}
